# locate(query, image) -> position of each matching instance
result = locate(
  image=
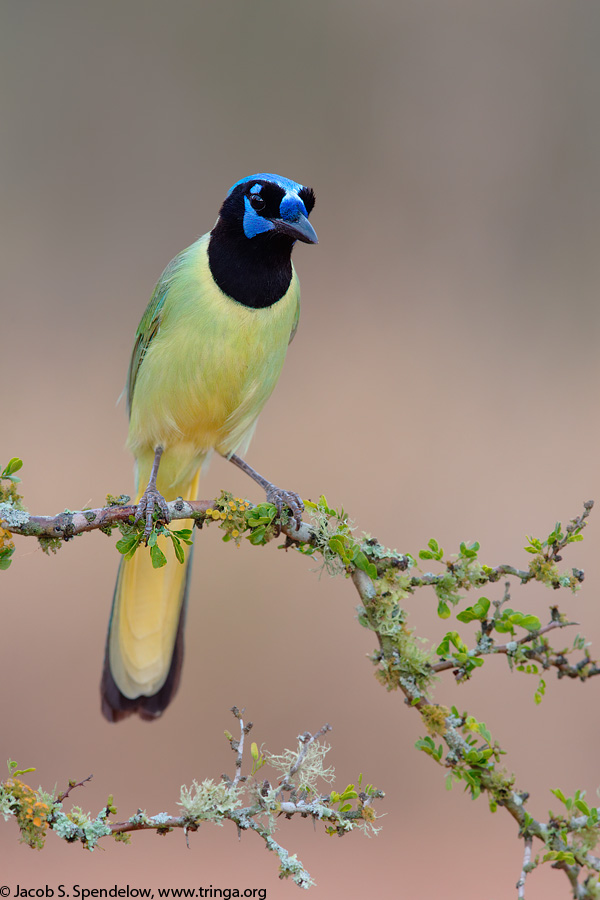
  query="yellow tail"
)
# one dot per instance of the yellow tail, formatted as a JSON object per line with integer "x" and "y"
{"x": 144, "y": 648}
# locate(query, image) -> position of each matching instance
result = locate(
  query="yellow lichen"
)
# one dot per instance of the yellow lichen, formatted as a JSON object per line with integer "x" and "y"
{"x": 434, "y": 718}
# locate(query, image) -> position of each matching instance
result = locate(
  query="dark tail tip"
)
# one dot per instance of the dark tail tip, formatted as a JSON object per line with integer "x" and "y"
{"x": 116, "y": 707}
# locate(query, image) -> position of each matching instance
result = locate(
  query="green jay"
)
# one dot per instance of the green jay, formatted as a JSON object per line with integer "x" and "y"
{"x": 207, "y": 355}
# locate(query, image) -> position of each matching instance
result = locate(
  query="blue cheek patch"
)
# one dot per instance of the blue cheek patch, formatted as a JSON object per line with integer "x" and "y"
{"x": 253, "y": 223}
{"x": 292, "y": 208}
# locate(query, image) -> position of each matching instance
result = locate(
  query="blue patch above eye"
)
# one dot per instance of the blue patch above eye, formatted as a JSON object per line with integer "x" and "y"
{"x": 256, "y": 189}
{"x": 253, "y": 223}
{"x": 284, "y": 183}
{"x": 292, "y": 208}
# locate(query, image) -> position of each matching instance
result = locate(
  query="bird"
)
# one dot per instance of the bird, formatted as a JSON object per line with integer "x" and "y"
{"x": 207, "y": 355}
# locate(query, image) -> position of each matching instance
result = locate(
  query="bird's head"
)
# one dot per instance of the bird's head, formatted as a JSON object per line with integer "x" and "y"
{"x": 269, "y": 205}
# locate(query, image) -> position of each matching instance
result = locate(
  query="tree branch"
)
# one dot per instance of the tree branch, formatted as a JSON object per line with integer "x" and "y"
{"x": 385, "y": 581}
{"x": 509, "y": 648}
{"x": 36, "y": 811}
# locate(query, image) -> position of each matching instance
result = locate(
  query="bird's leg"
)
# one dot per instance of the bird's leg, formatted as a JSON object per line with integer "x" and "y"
{"x": 151, "y": 498}
{"x": 275, "y": 495}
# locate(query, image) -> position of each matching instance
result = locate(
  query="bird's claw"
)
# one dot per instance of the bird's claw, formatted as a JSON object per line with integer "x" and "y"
{"x": 150, "y": 499}
{"x": 281, "y": 499}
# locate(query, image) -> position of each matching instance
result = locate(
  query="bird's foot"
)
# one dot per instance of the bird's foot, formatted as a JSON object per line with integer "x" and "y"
{"x": 281, "y": 499}
{"x": 149, "y": 501}
{"x": 278, "y": 497}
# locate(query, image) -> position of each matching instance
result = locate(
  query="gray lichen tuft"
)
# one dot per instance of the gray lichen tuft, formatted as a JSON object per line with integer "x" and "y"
{"x": 13, "y": 517}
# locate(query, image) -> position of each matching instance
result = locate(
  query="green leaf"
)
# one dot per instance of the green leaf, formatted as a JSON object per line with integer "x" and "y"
{"x": 337, "y": 545}
{"x": 443, "y": 649}
{"x": 503, "y": 626}
{"x": 360, "y": 560}
{"x": 481, "y": 607}
{"x": 560, "y": 856}
{"x": 458, "y": 642}
{"x": 157, "y": 556}
{"x": 474, "y": 756}
{"x": 178, "y": 549}
{"x": 257, "y": 536}
{"x": 128, "y": 545}
{"x": 12, "y": 466}
{"x": 541, "y": 690}
{"x": 484, "y": 732}
{"x": 427, "y": 745}
{"x": 467, "y": 615}
{"x": 5, "y": 558}
{"x": 130, "y": 553}
{"x": 324, "y": 506}
{"x": 350, "y": 793}
{"x": 451, "y": 637}
{"x": 531, "y": 623}
{"x": 534, "y": 545}
{"x": 470, "y": 551}
{"x": 443, "y": 610}
{"x": 262, "y": 514}
{"x": 434, "y": 552}
{"x": 478, "y": 611}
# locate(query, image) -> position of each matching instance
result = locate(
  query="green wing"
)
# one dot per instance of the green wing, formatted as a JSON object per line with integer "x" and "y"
{"x": 295, "y": 323}
{"x": 149, "y": 326}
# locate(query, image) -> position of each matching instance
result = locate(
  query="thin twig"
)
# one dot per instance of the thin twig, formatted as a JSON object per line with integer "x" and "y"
{"x": 240, "y": 748}
{"x": 72, "y": 785}
{"x": 525, "y": 869}
{"x": 505, "y": 648}
{"x": 306, "y": 740}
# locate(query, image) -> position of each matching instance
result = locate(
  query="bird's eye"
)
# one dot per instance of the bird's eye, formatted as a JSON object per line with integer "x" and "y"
{"x": 256, "y": 202}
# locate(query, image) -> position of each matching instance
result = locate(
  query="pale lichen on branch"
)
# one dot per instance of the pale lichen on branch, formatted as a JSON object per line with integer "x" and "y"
{"x": 250, "y": 804}
{"x": 386, "y": 581}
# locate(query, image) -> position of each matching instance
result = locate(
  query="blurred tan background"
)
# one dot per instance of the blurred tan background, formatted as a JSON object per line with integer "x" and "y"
{"x": 443, "y": 383}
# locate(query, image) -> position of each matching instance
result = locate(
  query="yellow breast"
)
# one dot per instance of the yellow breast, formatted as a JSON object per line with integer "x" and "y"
{"x": 210, "y": 368}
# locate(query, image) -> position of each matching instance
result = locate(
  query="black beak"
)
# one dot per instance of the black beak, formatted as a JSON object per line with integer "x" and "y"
{"x": 300, "y": 229}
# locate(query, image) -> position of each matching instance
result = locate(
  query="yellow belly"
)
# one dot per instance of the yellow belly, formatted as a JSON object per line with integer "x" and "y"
{"x": 207, "y": 373}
